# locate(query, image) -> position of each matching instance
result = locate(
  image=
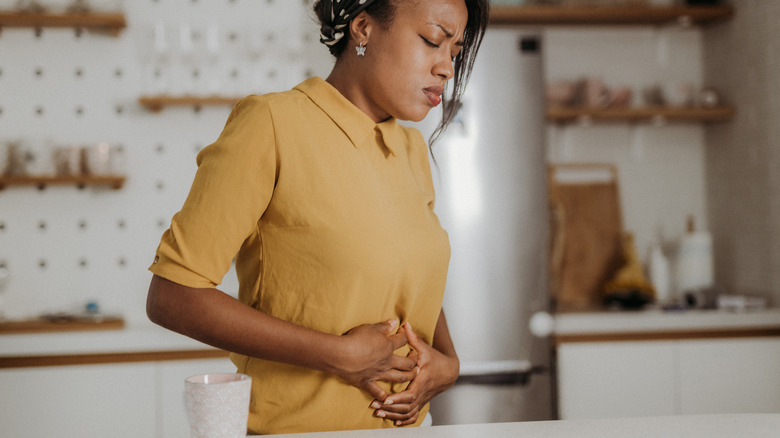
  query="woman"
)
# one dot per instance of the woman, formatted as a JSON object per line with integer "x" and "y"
{"x": 326, "y": 204}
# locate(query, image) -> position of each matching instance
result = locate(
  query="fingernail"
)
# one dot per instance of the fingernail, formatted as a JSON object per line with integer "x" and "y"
{"x": 397, "y": 422}
{"x": 375, "y": 404}
{"x": 388, "y": 402}
{"x": 380, "y": 414}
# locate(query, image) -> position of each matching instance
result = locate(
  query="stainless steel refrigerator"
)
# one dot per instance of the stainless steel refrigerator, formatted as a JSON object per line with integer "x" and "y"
{"x": 490, "y": 177}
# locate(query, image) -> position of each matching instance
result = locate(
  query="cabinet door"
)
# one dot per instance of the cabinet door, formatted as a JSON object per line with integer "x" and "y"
{"x": 171, "y": 375}
{"x": 616, "y": 379}
{"x": 730, "y": 376}
{"x": 78, "y": 401}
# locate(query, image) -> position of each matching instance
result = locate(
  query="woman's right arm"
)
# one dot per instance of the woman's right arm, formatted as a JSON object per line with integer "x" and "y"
{"x": 362, "y": 356}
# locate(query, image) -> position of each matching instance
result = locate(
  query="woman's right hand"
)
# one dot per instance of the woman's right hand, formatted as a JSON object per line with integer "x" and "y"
{"x": 369, "y": 357}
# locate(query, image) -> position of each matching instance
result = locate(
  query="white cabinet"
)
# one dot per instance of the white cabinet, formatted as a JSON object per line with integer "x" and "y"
{"x": 648, "y": 378}
{"x": 130, "y": 400}
{"x": 729, "y": 376}
{"x": 78, "y": 401}
{"x": 609, "y": 379}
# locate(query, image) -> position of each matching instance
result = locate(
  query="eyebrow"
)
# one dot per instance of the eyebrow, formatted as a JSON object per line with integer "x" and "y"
{"x": 448, "y": 33}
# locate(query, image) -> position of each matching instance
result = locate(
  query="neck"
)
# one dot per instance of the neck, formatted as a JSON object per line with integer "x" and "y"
{"x": 348, "y": 78}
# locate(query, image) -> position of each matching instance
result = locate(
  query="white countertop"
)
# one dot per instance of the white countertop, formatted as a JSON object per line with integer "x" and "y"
{"x": 695, "y": 426}
{"x": 151, "y": 338}
{"x": 656, "y": 320}
{"x": 131, "y": 339}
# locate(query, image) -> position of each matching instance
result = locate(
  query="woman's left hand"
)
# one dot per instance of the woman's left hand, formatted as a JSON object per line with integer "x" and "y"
{"x": 435, "y": 373}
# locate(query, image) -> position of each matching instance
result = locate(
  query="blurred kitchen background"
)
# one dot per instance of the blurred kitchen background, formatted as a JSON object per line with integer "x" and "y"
{"x": 104, "y": 105}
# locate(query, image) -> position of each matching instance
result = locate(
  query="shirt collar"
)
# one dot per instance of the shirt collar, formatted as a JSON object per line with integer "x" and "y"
{"x": 355, "y": 124}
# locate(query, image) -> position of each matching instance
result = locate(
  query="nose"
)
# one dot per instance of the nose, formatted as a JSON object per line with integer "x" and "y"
{"x": 444, "y": 69}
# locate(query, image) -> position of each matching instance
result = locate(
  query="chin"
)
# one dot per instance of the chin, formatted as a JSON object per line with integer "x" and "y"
{"x": 416, "y": 116}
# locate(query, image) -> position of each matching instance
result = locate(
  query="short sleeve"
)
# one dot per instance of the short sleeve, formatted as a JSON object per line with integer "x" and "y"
{"x": 231, "y": 190}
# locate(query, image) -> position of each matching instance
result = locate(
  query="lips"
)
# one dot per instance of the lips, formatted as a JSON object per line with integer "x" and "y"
{"x": 433, "y": 94}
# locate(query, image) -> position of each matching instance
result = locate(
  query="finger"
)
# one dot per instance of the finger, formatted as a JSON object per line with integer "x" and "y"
{"x": 399, "y": 410}
{"x": 395, "y": 376}
{"x": 387, "y": 327}
{"x": 403, "y": 363}
{"x": 407, "y": 414}
{"x": 376, "y": 391}
{"x": 398, "y": 340}
{"x": 407, "y": 422}
{"x": 399, "y": 398}
{"x": 415, "y": 341}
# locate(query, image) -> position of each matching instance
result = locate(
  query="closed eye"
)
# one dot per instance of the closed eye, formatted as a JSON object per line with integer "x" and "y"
{"x": 429, "y": 42}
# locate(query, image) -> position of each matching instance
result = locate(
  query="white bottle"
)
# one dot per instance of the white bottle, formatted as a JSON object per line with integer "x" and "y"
{"x": 694, "y": 261}
{"x": 658, "y": 267}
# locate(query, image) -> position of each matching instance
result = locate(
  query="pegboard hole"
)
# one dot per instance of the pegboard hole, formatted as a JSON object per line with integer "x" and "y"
{"x": 79, "y": 72}
{"x": 119, "y": 73}
{"x": 122, "y": 262}
{"x": 79, "y": 111}
{"x": 83, "y": 263}
{"x": 42, "y": 226}
{"x": 39, "y": 111}
{"x": 83, "y": 225}
{"x": 160, "y": 149}
{"x": 2, "y": 226}
{"x": 38, "y": 72}
{"x": 121, "y": 224}
{"x": 42, "y": 264}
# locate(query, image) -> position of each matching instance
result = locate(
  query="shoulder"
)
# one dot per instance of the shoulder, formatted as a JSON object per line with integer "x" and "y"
{"x": 413, "y": 136}
{"x": 415, "y": 144}
{"x": 267, "y": 102}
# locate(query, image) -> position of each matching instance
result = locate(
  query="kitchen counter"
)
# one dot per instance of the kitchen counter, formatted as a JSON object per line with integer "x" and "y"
{"x": 130, "y": 344}
{"x": 659, "y": 324}
{"x": 695, "y": 426}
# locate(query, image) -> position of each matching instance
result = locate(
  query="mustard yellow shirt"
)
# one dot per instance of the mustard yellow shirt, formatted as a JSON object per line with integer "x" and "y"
{"x": 329, "y": 217}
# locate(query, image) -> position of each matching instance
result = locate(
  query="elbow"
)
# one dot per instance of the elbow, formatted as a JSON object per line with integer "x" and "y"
{"x": 152, "y": 310}
{"x": 155, "y": 308}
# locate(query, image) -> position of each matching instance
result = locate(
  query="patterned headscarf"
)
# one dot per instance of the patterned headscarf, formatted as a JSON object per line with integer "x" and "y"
{"x": 341, "y": 12}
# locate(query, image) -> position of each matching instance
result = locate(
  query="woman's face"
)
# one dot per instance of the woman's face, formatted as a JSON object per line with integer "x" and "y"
{"x": 409, "y": 62}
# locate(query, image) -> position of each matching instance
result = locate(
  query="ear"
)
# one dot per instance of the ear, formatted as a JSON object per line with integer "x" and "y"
{"x": 360, "y": 27}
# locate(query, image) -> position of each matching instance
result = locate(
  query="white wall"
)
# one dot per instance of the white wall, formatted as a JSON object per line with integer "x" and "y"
{"x": 660, "y": 167}
{"x": 743, "y": 157}
{"x": 95, "y": 243}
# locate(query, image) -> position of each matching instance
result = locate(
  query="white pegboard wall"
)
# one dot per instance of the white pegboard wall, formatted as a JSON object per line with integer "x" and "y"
{"x": 64, "y": 246}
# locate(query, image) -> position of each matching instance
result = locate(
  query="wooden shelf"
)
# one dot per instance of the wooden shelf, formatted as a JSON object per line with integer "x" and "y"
{"x": 114, "y": 181}
{"x": 110, "y": 23}
{"x": 593, "y": 15}
{"x": 60, "y": 324}
{"x": 644, "y": 114}
{"x": 157, "y": 103}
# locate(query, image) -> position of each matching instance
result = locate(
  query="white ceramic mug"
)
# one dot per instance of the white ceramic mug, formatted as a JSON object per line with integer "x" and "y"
{"x": 218, "y": 404}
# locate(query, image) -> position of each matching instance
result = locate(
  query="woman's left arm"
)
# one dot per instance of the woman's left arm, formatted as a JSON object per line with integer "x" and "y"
{"x": 437, "y": 369}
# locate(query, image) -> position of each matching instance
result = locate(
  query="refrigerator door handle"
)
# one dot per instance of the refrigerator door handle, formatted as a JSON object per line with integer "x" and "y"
{"x": 510, "y": 372}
